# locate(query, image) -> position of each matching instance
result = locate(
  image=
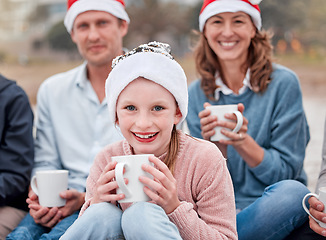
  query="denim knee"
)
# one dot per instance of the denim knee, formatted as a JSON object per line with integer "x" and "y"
{"x": 99, "y": 221}
{"x": 97, "y": 213}
{"x": 145, "y": 220}
{"x": 290, "y": 190}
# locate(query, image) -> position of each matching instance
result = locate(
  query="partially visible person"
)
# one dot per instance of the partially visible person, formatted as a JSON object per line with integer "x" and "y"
{"x": 16, "y": 154}
{"x": 265, "y": 158}
{"x": 191, "y": 191}
{"x": 311, "y": 230}
{"x": 72, "y": 123}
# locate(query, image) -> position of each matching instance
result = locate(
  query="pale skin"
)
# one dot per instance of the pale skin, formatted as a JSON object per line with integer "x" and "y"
{"x": 155, "y": 111}
{"x": 229, "y": 35}
{"x": 316, "y": 210}
{"x": 98, "y": 36}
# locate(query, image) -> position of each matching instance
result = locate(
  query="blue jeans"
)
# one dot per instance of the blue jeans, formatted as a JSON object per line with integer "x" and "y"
{"x": 141, "y": 220}
{"x": 275, "y": 214}
{"x": 29, "y": 230}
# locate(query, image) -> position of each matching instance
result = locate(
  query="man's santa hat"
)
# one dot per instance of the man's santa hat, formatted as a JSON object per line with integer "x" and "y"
{"x": 213, "y": 7}
{"x": 76, "y": 7}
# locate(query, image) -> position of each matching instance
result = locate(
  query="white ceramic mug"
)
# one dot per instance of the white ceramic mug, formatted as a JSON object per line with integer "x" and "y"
{"x": 133, "y": 191}
{"x": 48, "y": 184}
{"x": 220, "y": 111}
{"x": 321, "y": 197}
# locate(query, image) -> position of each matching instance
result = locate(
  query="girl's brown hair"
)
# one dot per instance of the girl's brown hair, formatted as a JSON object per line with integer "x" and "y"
{"x": 172, "y": 150}
{"x": 259, "y": 61}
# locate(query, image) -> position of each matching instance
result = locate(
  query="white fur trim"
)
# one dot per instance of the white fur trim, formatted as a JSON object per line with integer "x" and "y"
{"x": 111, "y": 6}
{"x": 255, "y": 2}
{"x": 221, "y": 6}
{"x": 152, "y": 66}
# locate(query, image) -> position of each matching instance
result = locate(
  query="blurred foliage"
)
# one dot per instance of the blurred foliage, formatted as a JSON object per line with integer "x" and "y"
{"x": 297, "y": 25}
{"x": 59, "y": 39}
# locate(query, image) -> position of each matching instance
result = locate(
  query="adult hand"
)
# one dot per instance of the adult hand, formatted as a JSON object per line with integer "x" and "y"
{"x": 238, "y": 138}
{"x": 207, "y": 122}
{"x": 316, "y": 210}
{"x": 105, "y": 190}
{"x": 47, "y": 217}
{"x": 74, "y": 201}
{"x": 162, "y": 189}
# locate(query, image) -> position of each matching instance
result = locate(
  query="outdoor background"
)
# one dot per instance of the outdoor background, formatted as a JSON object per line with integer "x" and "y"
{"x": 35, "y": 45}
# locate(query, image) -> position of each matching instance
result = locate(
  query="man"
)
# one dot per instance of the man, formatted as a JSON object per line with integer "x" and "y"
{"x": 16, "y": 154}
{"x": 72, "y": 126}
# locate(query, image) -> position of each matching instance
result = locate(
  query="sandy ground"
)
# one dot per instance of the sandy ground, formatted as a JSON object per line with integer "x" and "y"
{"x": 312, "y": 79}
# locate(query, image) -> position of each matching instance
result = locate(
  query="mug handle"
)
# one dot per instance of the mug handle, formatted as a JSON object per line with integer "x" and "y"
{"x": 304, "y": 204}
{"x": 239, "y": 116}
{"x": 33, "y": 185}
{"x": 119, "y": 178}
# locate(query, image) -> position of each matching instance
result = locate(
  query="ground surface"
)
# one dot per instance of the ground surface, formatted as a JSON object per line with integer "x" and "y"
{"x": 312, "y": 78}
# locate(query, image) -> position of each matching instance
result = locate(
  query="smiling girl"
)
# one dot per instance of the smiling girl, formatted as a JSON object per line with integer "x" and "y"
{"x": 191, "y": 193}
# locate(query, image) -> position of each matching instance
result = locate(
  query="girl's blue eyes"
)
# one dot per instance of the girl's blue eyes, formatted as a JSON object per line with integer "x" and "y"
{"x": 158, "y": 108}
{"x": 133, "y": 108}
{"x": 130, "y": 108}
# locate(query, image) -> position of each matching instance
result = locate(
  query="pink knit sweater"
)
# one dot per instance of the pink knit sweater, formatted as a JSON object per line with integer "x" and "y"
{"x": 207, "y": 209}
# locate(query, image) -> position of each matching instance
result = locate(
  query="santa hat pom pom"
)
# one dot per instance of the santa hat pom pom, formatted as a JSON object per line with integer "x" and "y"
{"x": 255, "y": 2}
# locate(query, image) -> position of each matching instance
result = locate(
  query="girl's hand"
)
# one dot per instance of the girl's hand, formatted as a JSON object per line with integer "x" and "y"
{"x": 163, "y": 188}
{"x": 238, "y": 138}
{"x": 106, "y": 186}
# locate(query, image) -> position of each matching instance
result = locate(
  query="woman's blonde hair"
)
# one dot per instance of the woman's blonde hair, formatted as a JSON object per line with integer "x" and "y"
{"x": 259, "y": 61}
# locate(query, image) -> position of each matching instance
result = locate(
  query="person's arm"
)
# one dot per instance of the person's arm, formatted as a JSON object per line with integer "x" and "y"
{"x": 46, "y": 149}
{"x": 322, "y": 174}
{"x": 288, "y": 136}
{"x": 214, "y": 216}
{"x": 317, "y": 207}
{"x": 16, "y": 146}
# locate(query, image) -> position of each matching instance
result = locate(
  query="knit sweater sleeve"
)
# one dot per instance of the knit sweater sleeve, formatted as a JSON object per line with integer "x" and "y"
{"x": 284, "y": 150}
{"x": 210, "y": 213}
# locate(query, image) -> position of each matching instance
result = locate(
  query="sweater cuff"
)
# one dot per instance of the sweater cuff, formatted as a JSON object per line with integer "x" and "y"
{"x": 179, "y": 215}
{"x": 264, "y": 168}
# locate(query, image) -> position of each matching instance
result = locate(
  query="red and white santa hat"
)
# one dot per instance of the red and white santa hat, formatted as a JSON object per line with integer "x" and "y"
{"x": 213, "y": 7}
{"x": 76, "y": 7}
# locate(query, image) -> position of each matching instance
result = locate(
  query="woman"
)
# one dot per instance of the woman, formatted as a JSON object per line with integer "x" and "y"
{"x": 233, "y": 58}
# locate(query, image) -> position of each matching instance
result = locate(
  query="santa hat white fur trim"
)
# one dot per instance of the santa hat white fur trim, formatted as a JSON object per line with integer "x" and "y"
{"x": 221, "y": 6}
{"x": 152, "y": 66}
{"x": 111, "y": 6}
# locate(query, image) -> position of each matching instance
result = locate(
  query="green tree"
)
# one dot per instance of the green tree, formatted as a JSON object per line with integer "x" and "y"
{"x": 59, "y": 39}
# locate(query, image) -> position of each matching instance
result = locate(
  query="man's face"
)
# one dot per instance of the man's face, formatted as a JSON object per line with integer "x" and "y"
{"x": 98, "y": 36}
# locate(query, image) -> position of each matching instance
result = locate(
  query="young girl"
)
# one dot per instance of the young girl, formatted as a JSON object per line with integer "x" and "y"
{"x": 265, "y": 158}
{"x": 192, "y": 193}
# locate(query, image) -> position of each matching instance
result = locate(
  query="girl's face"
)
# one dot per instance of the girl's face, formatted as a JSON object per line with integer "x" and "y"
{"x": 146, "y": 113}
{"x": 229, "y": 35}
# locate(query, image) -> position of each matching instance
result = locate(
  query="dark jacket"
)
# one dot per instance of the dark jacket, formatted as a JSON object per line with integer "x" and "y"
{"x": 16, "y": 144}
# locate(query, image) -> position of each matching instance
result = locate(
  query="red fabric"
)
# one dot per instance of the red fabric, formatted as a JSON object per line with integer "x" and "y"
{"x": 71, "y": 2}
{"x": 207, "y": 2}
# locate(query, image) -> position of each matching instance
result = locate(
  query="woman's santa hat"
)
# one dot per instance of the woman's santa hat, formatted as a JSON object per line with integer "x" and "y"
{"x": 154, "y": 62}
{"x": 76, "y": 7}
{"x": 213, "y": 7}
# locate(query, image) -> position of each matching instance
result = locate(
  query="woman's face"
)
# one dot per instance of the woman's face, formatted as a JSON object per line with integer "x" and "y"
{"x": 146, "y": 114}
{"x": 229, "y": 35}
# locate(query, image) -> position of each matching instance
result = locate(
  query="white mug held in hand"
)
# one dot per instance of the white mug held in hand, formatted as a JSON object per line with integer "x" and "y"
{"x": 134, "y": 191}
{"x": 220, "y": 111}
{"x": 48, "y": 184}
{"x": 321, "y": 197}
